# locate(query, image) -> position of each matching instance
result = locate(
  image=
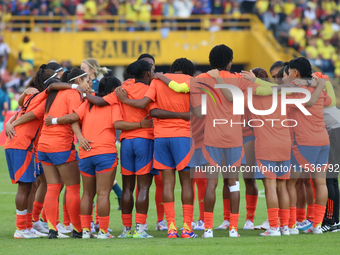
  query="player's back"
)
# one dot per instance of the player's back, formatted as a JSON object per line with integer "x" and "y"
{"x": 97, "y": 126}
{"x": 28, "y": 132}
{"x": 310, "y": 129}
{"x": 273, "y": 141}
{"x": 57, "y": 138}
{"x": 169, "y": 100}
{"x": 135, "y": 90}
{"x": 218, "y": 107}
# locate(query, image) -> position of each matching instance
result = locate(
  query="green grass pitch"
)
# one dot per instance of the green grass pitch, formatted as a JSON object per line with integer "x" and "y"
{"x": 249, "y": 243}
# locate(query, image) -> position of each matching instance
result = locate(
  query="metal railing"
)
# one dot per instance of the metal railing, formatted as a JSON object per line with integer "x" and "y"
{"x": 117, "y": 23}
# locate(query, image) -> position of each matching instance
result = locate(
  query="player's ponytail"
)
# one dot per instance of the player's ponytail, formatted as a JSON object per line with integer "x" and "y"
{"x": 40, "y": 78}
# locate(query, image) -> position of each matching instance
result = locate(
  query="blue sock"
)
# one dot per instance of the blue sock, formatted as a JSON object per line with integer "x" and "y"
{"x": 117, "y": 190}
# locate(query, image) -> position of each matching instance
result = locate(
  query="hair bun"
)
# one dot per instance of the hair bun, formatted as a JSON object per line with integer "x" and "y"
{"x": 43, "y": 66}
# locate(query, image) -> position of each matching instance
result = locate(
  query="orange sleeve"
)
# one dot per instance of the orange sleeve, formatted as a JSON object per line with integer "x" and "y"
{"x": 40, "y": 110}
{"x": 38, "y": 99}
{"x": 74, "y": 101}
{"x": 111, "y": 99}
{"x": 80, "y": 111}
{"x": 151, "y": 93}
{"x": 116, "y": 113}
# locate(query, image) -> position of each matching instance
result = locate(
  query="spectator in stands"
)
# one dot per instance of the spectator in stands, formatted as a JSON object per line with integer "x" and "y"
{"x": 27, "y": 49}
{"x": 4, "y": 52}
{"x": 284, "y": 31}
{"x": 113, "y": 9}
{"x": 144, "y": 16}
{"x": 156, "y": 7}
{"x": 90, "y": 12}
{"x": 170, "y": 12}
{"x": 336, "y": 63}
{"x": 101, "y": 7}
{"x": 288, "y": 7}
{"x": 326, "y": 54}
{"x": 261, "y": 8}
{"x": 309, "y": 14}
{"x": 5, "y": 16}
{"x": 70, "y": 7}
{"x": 247, "y": 6}
{"x": 327, "y": 31}
{"x": 197, "y": 9}
{"x": 21, "y": 75}
{"x": 271, "y": 20}
{"x": 183, "y": 8}
{"x": 297, "y": 37}
{"x": 336, "y": 24}
{"x": 206, "y": 6}
{"x": 57, "y": 12}
{"x": 169, "y": 9}
{"x": 329, "y": 7}
{"x": 131, "y": 13}
{"x": 217, "y": 7}
{"x": 312, "y": 52}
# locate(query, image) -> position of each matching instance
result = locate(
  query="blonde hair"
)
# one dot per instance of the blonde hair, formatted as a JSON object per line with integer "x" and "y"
{"x": 94, "y": 64}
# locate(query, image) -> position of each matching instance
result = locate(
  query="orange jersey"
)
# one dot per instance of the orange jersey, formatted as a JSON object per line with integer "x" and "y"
{"x": 197, "y": 130}
{"x": 28, "y": 132}
{"x": 167, "y": 99}
{"x": 272, "y": 140}
{"x": 310, "y": 129}
{"x": 97, "y": 126}
{"x": 58, "y": 138}
{"x": 246, "y": 130}
{"x": 221, "y": 135}
{"x": 131, "y": 114}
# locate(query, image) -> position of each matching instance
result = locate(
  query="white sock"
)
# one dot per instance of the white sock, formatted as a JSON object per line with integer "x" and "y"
{"x": 24, "y": 212}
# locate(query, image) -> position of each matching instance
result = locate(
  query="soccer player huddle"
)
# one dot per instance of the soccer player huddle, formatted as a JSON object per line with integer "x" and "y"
{"x": 168, "y": 125}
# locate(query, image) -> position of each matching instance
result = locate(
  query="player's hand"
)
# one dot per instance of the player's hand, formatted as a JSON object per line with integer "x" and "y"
{"x": 248, "y": 75}
{"x": 214, "y": 73}
{"x": 48, "y": 120}
{"x": 186, "y": 115}
{"x": 81, "y": 91}
{"x": 314, "y": 76}
{"x": 157, "y": 75}
{"x": 10, "y": 131}
{"x": 121, "y": 93}
{"x": 30, "y": 91}
{"x": 85, "y": 144}
{"x": 300, "y": 82}
{"x": 147, "y": 123}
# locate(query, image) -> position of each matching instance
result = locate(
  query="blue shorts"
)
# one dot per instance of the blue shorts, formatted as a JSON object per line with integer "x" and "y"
{"x": 20, "y": 165}
{"x": 309, "y": 157}
{"x": 39, "y": 169}
{"x": 246, "y": 139}
{"x": 103, "y": 163}
{"x": 57, "y": 158}
{"x": 137, "y": 157}
{"x": 198, "y": 159}
{"x": 232, "y": 156}
{"x": 272, "y": 169}
{"x": 172, "y": 153}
